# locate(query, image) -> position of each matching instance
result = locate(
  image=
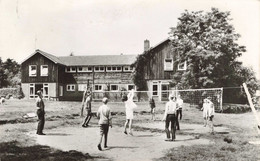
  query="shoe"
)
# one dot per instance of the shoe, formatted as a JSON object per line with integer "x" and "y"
{"x": 99, "y": 147}
{"x": 168, "y": 139}
{"x": 84, "y": 126}
{"x": 105, "y": 146}
{"x": 125, "y": 132}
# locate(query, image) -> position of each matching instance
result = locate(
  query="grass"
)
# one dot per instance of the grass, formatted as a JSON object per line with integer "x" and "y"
{"x": 15, "y": 144}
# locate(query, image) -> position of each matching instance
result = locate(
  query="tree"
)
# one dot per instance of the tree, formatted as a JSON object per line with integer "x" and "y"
{"x": 207, "y": 42}
{"x": 9, "y": 73}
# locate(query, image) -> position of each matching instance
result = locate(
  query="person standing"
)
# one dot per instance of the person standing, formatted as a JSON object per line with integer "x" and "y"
{"x": 105, "y": 120}
{"x": 129, "y": 108}
{"x": 170, "y": 117}
{"x": 179, "y": 102}
{"x": 86, "y": 104}
{"x": 205, "y": 111}
{"x": 211, "y": 113}
{"x": 40, "y": 113}
{"x": 152, "y": 106}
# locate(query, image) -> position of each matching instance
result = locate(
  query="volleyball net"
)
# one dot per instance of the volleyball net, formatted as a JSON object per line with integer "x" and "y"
{"x": 191, "y": 97}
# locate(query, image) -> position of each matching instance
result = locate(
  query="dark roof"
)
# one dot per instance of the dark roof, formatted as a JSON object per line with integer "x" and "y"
{"x": 88, "y": 60}
{"x": 98, "y": 60}
{"x": 157, "y": 45}
{"x": 49, "y": 56}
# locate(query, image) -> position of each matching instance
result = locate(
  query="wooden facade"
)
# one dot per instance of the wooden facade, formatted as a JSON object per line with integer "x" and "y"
{"x": 64, "y": 85}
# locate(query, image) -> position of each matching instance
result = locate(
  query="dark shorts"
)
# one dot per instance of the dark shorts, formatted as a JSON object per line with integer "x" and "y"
{"x": 211, "y": 118}
{"x": 104, "y": 129}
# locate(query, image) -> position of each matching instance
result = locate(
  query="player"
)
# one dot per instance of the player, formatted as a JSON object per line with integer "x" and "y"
{"x": 129, "y": 110}
{"x": 152, "y": 106}
{"x": 179, "y": 103}
{"x": 105, "y": 120}
{"x": 86, "y": 104}
{"x": 40, "y": 113}
{"x": 170, "y": 116}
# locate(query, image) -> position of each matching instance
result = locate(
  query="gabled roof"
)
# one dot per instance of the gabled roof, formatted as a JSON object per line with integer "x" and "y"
{"x": 90, "y": 60}
{"x": 53, "y": 58}
{"x": 157, "y": 45}
{"x": 98, "y": 60}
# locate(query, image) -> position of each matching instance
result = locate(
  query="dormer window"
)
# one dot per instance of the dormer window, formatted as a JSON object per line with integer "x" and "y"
{"x": 84, "y": 69}
{"x": 99, "y": 69}
{"x": 71, "y": 69}
{"x": 113, "y": 69}
{"x": 182, "y": 66}
{"x": 128, "y": 69}
{"x": 168, "y": 64}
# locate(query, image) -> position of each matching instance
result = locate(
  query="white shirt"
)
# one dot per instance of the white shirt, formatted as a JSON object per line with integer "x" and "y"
{"x": 170, "y": 108}
{"x": 104, "y": 114}
{"x": 179, "y": 102}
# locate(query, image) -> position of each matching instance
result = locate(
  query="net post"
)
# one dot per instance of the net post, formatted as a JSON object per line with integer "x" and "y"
{"x": 221, "y": 100}
{"x": 252, "y": 106}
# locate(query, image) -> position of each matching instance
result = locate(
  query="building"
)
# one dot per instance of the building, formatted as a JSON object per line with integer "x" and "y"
{"x": 159, "y": 69}
{"x": 65, "y": 78}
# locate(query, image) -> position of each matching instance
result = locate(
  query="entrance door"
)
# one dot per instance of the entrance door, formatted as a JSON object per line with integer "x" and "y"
{"x": 165, "y": 92}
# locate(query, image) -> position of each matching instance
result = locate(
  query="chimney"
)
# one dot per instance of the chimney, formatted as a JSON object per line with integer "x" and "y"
{"x": 146, "y": 45}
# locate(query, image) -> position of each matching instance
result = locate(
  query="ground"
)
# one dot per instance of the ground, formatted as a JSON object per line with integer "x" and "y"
{"x": 67, "y": 140}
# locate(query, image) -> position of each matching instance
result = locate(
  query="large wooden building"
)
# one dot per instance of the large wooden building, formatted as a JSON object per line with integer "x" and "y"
{"x": 66, "y": 77}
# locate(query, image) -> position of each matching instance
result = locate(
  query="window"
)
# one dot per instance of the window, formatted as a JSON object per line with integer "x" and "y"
{"x": 32, "y": 70}
{"x": 45, "y": 91}
{"x": 71, "y": 87}
{"x": 114, "y": 69}
{"x": 114, "y": 87}
{"x": 155, "y": 89}
{"x": 99, "y": 69}
{"x": 98, "y": 87}
{"x": 130, "y": 87}
{"x": 82, "y": 87}
{"x": 71, "y": 69}
{"x": 182, "y": 66}
{"x": 31, "y": 94}
{"x": 44, "y": 70}
{"x": 168, "y": 64}
{"x": 128, "y": 69}
{"x": 84, "y": 69}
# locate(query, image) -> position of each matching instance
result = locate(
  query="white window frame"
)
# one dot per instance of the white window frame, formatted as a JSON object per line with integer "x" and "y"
{"x": 32, "y": 85}
{"x": 170, "y": 67}
{"x": 184, "y": 66}
{"x": 69, "y": 87}
{"x": 99, "y": 68}
{"x": 155, "y": 83}
{"x": 114, "y": 85}
{"x": 30, "y": 71}
{"x": 99, "y": 85}
{"x": 44, "y": 74}
{"x": 128, "y": 69}
{"x": 131, "y": 85}
{"x": 45, "y": 85}
{"x": 70, "y": 70}
{"x": 82, "y": 87}
{"x": 84, "y": 69}
{"x": 114, "y": 70}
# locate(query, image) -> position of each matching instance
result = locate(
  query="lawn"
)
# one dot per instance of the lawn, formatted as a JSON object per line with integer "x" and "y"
{"x": 16, "y": 144}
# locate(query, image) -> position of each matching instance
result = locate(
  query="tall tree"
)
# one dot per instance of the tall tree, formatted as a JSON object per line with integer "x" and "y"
{"x": 207, "y": 42}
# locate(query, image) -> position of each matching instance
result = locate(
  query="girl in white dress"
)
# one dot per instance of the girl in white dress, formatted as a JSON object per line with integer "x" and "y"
{"x": 129, "y": 110}
{"x": 205, "y": 111}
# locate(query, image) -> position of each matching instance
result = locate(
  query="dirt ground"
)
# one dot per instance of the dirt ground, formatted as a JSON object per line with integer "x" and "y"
{"x": 144, "y": 145}
{"x": 67, "y": 140}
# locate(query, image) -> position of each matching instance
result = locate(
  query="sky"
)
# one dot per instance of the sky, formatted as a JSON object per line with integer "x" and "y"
{"x": 102, "y": 27}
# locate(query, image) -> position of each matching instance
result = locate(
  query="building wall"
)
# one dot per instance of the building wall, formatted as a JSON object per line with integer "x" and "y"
{"x": 38, "y": 60}
{"x": 52, "y": 90}
{"x": 154, "y": 69}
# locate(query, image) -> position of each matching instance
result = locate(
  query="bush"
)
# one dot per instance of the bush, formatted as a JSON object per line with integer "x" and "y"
{"x": 236, "y": 108}
{"x": 11, "y": 92}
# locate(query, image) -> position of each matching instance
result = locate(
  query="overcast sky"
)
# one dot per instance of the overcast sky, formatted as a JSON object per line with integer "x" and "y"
{"x": 90, "y": 27}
